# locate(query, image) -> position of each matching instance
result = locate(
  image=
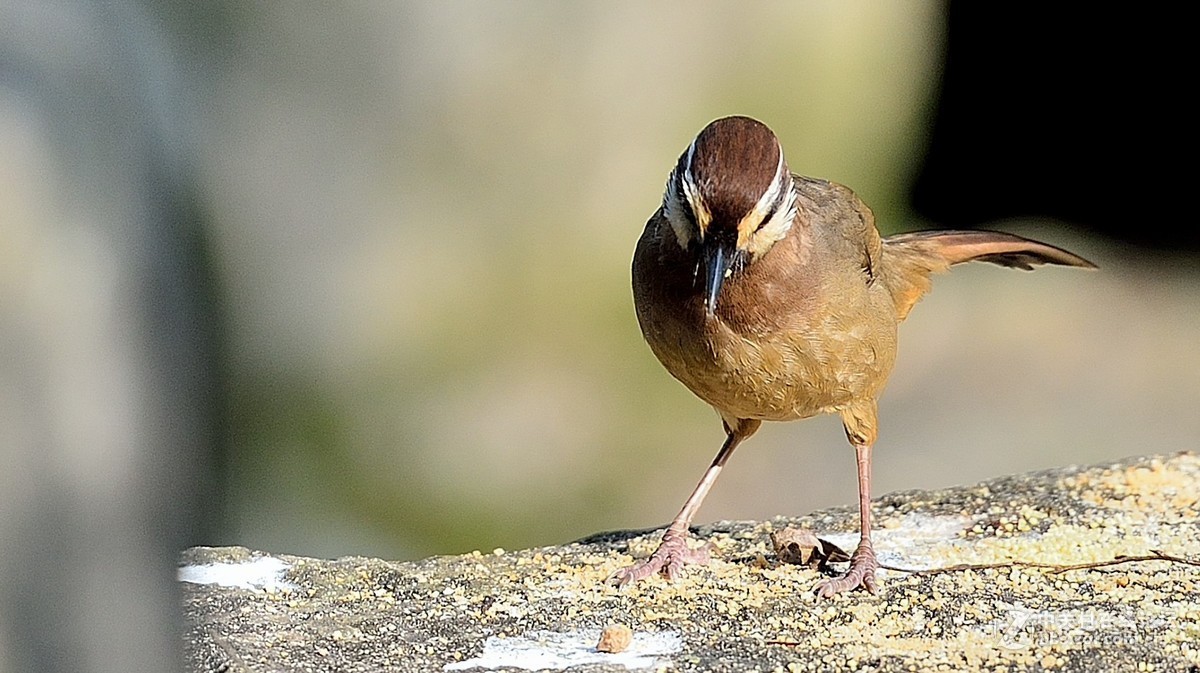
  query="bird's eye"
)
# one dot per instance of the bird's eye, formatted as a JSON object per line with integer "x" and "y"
{"x": 775, "y": 205}
{"x": 688, "y": 208}
{"x": 767, "y": 218}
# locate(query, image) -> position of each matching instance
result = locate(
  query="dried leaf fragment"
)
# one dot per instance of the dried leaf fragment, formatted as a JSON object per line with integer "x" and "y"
{"x": 800, "y": 546}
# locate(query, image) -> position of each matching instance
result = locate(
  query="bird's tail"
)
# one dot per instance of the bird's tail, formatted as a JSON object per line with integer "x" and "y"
{"x": 909, "y": 259}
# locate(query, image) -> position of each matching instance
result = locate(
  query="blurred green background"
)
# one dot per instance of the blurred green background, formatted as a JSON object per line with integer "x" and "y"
{"x": 423, "y": 218}
{"x": 404, "y": 233}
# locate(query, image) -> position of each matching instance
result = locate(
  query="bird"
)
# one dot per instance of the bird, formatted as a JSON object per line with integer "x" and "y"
{"x": 773, "y": 297}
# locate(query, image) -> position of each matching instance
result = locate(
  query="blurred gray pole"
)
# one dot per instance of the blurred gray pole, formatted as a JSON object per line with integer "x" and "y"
{"x": 107, "y": 348}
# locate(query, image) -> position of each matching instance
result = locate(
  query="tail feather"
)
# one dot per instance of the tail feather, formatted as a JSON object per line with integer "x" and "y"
{"x": 909, "y": 259}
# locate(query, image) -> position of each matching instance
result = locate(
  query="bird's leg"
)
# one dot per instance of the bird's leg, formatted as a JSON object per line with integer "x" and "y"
{"x": 861, "y": 431}
{"x": 673, "y": 552}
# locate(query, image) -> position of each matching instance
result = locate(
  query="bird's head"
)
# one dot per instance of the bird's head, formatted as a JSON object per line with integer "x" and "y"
{"x": 729, "y": 199}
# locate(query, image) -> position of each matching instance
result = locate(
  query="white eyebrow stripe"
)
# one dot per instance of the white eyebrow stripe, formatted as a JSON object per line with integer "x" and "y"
{"x": 692, "y": 192}
{"x": 764, "y": 202}
{"x": 687, "y": 168}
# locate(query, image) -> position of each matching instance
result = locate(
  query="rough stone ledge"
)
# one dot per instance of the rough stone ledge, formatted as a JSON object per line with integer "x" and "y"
{"x": 544, "y": 608}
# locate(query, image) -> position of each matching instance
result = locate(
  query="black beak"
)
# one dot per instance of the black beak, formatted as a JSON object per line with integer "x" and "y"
{"x": 719, "y": 253}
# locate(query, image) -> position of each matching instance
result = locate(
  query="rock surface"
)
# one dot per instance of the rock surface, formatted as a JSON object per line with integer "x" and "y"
{"x": 545, "y": 608}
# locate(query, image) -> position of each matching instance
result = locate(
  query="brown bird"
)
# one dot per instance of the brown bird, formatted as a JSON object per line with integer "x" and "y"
{"x": 772, "y": 297}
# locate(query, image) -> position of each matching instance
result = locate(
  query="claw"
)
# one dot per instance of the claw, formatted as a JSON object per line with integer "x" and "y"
{"x": 860, "y": 574}
{"x": 668, "y": 560}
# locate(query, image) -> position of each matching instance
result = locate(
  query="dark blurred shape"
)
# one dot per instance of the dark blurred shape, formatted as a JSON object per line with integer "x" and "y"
{"x": 1074, "y": 112}
{"x": 109, "y": 407}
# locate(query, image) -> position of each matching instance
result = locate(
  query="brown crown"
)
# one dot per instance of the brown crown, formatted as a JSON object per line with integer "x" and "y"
{"x": 733, "y": 164}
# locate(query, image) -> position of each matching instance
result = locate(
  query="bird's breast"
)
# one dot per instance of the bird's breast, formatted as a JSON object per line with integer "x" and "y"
{"x": 774, "y": 350}
{"x": 776, "y": 376}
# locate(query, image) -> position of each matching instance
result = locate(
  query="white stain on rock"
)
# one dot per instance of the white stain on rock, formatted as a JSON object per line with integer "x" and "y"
{"x": 542, "y": 650}
{"x": 259, "y": 573}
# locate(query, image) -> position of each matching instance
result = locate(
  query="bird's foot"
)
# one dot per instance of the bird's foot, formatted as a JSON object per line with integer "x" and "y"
{"x": 669, "y": 559}
{"x": 861, "y": 573}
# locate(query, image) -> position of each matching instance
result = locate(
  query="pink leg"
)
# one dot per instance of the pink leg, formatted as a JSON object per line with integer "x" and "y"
{"x": 862, "y": 562}
{"x": 673, "y": 553}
